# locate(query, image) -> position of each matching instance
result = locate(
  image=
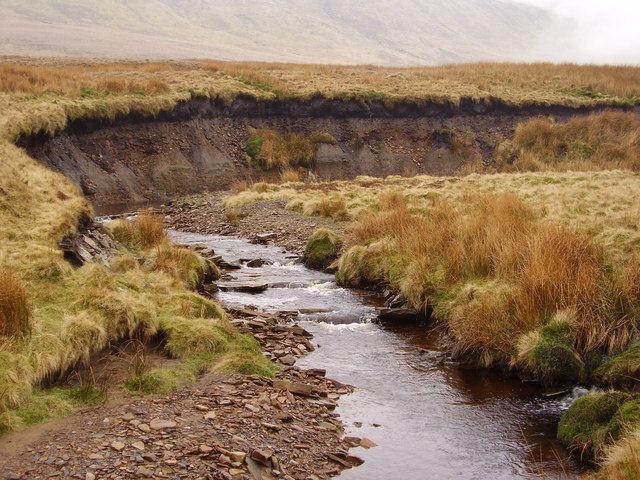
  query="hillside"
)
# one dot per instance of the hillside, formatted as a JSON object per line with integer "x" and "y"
{"x": 386, "y": 32}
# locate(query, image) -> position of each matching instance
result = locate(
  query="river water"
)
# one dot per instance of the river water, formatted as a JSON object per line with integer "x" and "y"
{"x": 431, "y": 418}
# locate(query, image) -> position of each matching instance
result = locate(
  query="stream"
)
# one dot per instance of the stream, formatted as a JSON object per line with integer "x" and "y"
{"x": 431, "y": 418}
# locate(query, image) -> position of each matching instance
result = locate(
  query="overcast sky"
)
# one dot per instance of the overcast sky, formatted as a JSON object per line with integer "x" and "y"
{"x": 607, "y": 31}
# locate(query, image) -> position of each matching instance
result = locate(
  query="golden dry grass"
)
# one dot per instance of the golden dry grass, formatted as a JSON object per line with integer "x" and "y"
{"x": 43, "y": 95}
{"x": 14, "y": 305}
{"x": 607, "y": 140}
{"x": 290, "y": 175}
{"x": 146, "y": 230}
{"x": 498, "y": 255}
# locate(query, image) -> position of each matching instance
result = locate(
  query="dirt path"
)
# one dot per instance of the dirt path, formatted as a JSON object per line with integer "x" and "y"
{"x": 205, "y": 214}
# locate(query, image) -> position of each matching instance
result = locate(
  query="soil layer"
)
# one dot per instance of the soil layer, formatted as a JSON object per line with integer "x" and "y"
{"x": 200, "y": 144}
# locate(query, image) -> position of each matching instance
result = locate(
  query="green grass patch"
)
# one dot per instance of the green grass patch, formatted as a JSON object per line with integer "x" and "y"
{"x": 623, "y": 370}
{"x": 48, "y": 404}
{"x": 596, "y": 421}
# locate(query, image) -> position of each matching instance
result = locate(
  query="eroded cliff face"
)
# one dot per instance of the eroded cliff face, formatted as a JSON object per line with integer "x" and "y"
{"x": 200, "y": 144}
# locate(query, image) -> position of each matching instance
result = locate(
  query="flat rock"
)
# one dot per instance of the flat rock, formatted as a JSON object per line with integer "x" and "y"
{"x": 297, "y": 388}
{"x": 159, "y": 424}
{"x": 262, "y": 456}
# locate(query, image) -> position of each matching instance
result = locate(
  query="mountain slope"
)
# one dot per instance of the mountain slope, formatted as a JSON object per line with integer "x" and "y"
{"x": 393, "y": 32}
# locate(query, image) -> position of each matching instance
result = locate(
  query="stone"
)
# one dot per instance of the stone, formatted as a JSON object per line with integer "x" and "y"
{"x": 257, "y": 263}
{"x": 159, "y": 424}
{"x": 251, "y": 288}
{"x": 144, "y": 472}
{"x": 366, "y": 443}
{"x": 397, "y": 315}
{"x": 237, "y": 456}
{"x": 287, "y": 360}
{"x": 205, "y": 449}
{"x": 144, "y": 428}
{"x": 296, "y": 388}
{"x": 118, "y": 446}
{"x": 90, "y": 476}
{"x": 138, "y": 445}
{"x": 210, "y": 415}
{"x": 262, "y": 456}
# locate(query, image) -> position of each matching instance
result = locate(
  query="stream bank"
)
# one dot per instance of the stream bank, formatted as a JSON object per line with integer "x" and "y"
{"x": 200, "y": 145}
{"x": 427, "y": 414}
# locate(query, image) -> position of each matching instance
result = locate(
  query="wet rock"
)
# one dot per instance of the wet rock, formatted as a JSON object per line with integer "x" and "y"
{"x": 220, "y": 262}
{"x": 366, "y": 443}
{"x": 257, "y": 263}
{"x": 253, "y": 288}
{"x": 399, "y": 315}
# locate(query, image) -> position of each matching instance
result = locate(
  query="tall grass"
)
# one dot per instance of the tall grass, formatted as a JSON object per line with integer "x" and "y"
{"x": 274, "y": 150}
{"x": 144, "y": 231}
{"x": 606, "y": 140}
{"x": 14, "y": 305}
{"x": 492, "y": 272}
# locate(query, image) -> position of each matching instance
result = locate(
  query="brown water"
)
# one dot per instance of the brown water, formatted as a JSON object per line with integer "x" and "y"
{"x": 431, "y": 418}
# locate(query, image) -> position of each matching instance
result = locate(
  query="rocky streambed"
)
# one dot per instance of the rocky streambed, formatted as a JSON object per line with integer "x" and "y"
{"x": 412, "y": 413}
{"x": 429, "y": 416}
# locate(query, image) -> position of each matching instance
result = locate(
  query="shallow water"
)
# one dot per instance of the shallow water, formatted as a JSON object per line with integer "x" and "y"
{"x": 430, "y": 417}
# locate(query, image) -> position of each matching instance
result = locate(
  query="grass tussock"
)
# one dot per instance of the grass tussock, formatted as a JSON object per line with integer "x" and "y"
{"x": 15, "y": 314}
{"x": 596, "y": 421}
{"x": 510, "y": 286}
{"x": 275, "y": 150}
{"x": 291, "y": 175}
{"x": 322, "y": 248}
{"x": 623, "y": 370}
{"x": 44, "y": 405}
{"x": 146, "y": 230}
{"x": 622, "y": 459}
{"x": 606, "y": 140}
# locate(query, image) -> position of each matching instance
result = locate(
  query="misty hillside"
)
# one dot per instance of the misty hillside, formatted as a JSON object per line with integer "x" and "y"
{"x": 401, "y": 32}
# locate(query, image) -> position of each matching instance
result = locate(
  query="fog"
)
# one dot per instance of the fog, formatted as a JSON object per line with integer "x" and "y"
{"x": 598, "y": 32}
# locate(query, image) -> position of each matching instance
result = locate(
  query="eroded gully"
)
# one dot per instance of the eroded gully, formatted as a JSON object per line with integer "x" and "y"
{"x": 431, "y": 418}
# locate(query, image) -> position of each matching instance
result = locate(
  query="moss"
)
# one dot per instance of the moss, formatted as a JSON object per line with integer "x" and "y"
{"x": 322, "y": 248}
{"x": 596, "y": 421}
{"x": 550, "y": 354}
{"x": 622, "y": 370}
{"x": 247, "y": 364}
